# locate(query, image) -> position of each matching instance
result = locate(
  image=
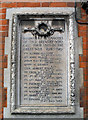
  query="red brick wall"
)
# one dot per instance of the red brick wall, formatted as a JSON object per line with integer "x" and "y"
{"x": 83, "y": 59}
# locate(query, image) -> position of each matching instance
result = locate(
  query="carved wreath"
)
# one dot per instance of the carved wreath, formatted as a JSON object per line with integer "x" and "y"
{"x": 43, "y": 30}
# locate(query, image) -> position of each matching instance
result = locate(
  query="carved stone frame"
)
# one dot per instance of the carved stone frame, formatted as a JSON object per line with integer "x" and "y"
{"x": 71, "y": 107}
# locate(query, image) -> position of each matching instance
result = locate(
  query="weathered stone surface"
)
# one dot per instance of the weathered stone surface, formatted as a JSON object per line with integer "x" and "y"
{"x": 19, "y": 45}
{"x": 44, "y": 67}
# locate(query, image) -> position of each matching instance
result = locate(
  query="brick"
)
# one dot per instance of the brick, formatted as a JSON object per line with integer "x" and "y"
{"x": 85, "y": 70}
{"x": 85, "y": 59}
{"x": 1, "y": 52}
{"x": 85, "y": 46}
{"x": 84, "y": 17}
{"x": 83, "y": 11}
{"x": 85, "y": 98}
{"x": 2, "y": 40}
{"x": 81, "y": 104}
{"x": 1, "y": 58}
{"x": 81, "y": 91}
{"x": 85, "y": 116}
{"x": 3, "y": 10}
{"x": 3, "y": 28}
{"x": 85, "y": 104}
{"x": 9, "y": 5}
{"x": 70, "y": 4}
{"x": 85, "y": 52}
{"x": 0, "y": 92}
{"x": 85, "y": 91}
{"x": 4, "y": 34}
{"x": 0, "y": 71}
{"x": 21, "y": 4}
{"x": 4, "y": 5}
{"x": 82, "y": 33}
{"x": 45, "y": 4}
{"x": 2, "y": 46}
{"x": 1, "y": 115}
{"x": 5, "y": 97}
{"x": 1, "y": 84}
{"x": 85, "y": 77}
{"x": 30, "y": 4}
{"x": 58, "y": 4}
{"x": 85, "y": 83}
{"x": 83, "y": 20}
{"x": 12, "y": 5}
{"x": 80, "y": 58}
{"x": 5, "y": 61}
{"x": 2, "y": 79}
{"x": 82, "y": 27}
{"x": 0, "y": 110}
{"x": 85, "y": 40}
{"x": 4, "y": 22}
{"x": 1, "y": 65}
{"x": 82, "y": 64}
{"x": 2, "y": 16}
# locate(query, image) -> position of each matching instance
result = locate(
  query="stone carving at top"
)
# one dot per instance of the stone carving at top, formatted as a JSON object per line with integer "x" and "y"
{"x": 43, "y": 29}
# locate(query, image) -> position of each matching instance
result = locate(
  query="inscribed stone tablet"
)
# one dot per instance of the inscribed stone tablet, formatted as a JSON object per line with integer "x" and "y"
{"x": 44, "y": 68}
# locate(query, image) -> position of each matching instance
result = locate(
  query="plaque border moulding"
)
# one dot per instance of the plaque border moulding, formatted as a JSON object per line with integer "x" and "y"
{"x": 71, "y": 100}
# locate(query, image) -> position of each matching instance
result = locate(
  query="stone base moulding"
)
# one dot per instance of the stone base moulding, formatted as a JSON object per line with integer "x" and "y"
{"x": 12, "y": 72}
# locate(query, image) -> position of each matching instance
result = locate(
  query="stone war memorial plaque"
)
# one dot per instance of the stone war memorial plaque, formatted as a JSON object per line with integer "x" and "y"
{"x": 42, "y": 63}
